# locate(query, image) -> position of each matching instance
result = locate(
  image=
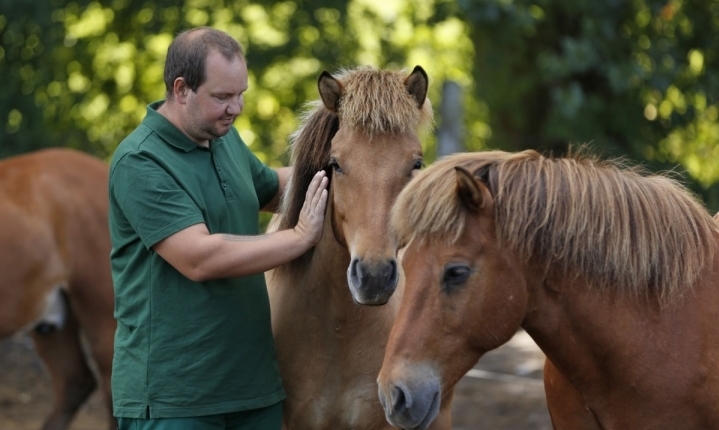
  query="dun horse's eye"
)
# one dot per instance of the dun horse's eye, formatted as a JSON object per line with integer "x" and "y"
{"x": 456, "y": 274}
{"x": 335, "y": 166}
{"x": 418, "y": 164}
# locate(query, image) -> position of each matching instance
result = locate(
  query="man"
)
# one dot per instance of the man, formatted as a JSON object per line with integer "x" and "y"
{"x": 194, "y": 347}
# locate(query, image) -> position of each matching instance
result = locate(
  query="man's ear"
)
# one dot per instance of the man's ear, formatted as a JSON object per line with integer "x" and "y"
{"x": 180, "y": 90}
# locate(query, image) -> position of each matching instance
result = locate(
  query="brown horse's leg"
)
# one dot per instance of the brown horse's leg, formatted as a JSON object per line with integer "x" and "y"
{"x": 72, "y": 379}
{"x": 98, "y": 326}
{"x": 565, "y": 404}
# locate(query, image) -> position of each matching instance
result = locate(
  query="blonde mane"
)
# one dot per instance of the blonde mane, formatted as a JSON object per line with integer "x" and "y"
{"x": 613, "y": 224}
{"x": 373, "y": 101}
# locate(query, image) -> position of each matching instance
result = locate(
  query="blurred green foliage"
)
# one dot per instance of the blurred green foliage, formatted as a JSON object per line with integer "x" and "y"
{"x": 636, "y": 78}
{"x": 85, "y": 72}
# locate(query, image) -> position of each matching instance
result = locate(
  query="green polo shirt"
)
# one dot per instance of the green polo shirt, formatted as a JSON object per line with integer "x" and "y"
{"x": 184, "y": 348}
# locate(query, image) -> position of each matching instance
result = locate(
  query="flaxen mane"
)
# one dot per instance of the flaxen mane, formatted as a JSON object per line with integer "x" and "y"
{"x": 613, "y": 224}
{"x": 374, "y": 101}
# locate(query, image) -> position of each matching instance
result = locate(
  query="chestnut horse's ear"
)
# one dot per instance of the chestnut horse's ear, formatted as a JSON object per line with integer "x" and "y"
{"x": 472, "y": 192}
{"x": 330, "y": 91}
{"x": 417, "y": 84}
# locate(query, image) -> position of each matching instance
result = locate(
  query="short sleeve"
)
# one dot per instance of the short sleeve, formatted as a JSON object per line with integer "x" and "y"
{"x": 265, "y": 179}
{"x": 150, "y": 199}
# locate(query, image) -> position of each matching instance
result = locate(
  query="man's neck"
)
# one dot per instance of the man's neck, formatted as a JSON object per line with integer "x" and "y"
{"x": 169, "y": 110}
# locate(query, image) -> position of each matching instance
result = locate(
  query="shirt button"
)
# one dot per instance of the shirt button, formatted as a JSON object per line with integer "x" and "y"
{"x": 224, "y": 185}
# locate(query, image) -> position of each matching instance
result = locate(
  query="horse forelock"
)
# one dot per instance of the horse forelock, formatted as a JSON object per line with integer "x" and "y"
{"x": 616, "y": 225}
{"x": 377, "y": 101}
{"x": 428, "y": 207}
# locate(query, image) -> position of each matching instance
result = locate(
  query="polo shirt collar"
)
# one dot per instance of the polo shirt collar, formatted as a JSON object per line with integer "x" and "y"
{"x": 167, "y": 130}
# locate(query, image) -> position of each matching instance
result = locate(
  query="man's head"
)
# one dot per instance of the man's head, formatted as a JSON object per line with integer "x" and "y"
{"x": 187, "y": 56}
{"x": 205, "y": 79}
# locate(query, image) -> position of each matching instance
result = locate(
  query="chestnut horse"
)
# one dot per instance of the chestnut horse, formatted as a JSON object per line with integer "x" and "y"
{"x": 612, "y": 271}
{"x": 54, "y": 260}
{"x": 364, "y": 132}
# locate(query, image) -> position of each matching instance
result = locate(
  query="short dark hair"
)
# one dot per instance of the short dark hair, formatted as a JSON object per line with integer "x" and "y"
{"x": 187, "y": 54}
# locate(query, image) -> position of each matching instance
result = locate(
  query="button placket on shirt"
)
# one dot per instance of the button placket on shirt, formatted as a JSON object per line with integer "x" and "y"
{"x": 223, "y": 182}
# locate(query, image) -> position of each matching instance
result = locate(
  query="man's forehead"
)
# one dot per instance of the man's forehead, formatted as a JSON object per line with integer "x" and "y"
{"x": 225, "y": 73}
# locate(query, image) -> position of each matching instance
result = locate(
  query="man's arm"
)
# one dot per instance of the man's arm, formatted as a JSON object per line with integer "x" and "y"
{"x": 202, "y": 256}
{"x": 283, "y": 174}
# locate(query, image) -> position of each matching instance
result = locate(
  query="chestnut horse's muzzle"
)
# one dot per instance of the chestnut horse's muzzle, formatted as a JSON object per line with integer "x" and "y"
{"x": 412, "y": 402}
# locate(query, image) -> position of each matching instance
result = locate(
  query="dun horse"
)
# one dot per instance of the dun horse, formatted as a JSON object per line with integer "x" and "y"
{"x": 612, "y": 271}
{"x": 330, "y": 346}
{"x": 54, "y": 260}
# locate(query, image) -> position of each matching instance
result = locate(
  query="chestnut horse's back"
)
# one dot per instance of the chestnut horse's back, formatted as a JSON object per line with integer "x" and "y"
{"x": 54, "y": 256}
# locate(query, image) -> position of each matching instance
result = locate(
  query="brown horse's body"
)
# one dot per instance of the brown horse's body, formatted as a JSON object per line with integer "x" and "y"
{"x": 329, "y": 343}
{"x": 617, "y": 365}
{"x": 615, "y": 275}
{"x": 55, "y": 264}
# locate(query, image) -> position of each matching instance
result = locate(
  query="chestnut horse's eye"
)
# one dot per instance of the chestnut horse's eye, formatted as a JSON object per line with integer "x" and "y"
{"x": 418, "y": 164}
{"x": 455, "y": 275}
{"x": 335, "y": 166}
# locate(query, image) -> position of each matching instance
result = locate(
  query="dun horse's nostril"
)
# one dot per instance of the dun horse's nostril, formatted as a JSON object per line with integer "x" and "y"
{"x": 393, "y": 269}
{"x": 355, "y": 271}
{"x": 372, "y": 282}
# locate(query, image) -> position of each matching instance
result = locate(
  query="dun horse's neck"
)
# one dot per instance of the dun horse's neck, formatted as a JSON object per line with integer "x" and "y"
{"x": 329, "y": 264}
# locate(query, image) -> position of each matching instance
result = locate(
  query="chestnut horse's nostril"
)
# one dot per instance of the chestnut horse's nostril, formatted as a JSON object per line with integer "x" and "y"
{"x": 400, "y": 400}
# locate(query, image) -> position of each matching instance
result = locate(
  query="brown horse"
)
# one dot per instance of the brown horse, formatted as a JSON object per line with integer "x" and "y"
{"x": 364, "y": 132}
{"x": 614, "y": 273}
{"x": 56, "y": 283}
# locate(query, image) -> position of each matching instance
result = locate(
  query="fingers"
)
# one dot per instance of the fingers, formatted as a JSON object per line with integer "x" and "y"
{"x": 311, "y": 218}
{"x": 319, "y": 202}
{"x": 320, "y": 194}
{"x": 317, "y": 182}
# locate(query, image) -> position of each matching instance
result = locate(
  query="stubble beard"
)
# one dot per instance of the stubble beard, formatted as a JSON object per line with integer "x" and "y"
{"x": 210, "y": 131}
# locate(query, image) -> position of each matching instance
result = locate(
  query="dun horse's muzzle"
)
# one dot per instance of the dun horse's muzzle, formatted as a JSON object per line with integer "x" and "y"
{"x": 372, "y": 282}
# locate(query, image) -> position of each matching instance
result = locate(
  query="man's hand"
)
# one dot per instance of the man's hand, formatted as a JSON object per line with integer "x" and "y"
{"x": 309, "y": 225}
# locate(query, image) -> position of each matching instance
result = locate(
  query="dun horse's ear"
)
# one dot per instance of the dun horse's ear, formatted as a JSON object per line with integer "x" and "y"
{"x": 330, "y": 91}
{"x": 483, "y": 173}
{"x": 470, "y": 189}
{"x": 417, "y": 84}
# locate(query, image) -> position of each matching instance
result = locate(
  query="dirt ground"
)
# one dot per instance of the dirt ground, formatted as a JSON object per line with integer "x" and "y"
{"x": 503, "y": 392}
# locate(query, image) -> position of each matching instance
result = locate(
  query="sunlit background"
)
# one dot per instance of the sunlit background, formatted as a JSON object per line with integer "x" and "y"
{"x": 633, "y": 78}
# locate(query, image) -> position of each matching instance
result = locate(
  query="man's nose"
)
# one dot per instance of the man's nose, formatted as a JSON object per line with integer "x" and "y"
{"x": 235, "y": 106}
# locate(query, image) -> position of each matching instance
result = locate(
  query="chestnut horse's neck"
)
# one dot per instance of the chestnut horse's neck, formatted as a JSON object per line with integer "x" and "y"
{"x": 605, "y": 342}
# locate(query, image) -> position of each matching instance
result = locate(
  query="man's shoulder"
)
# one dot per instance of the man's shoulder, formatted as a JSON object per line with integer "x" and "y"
{"x": 141, "y": 142}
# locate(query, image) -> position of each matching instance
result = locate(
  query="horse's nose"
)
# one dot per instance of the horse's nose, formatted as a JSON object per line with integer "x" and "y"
{"x": 372, "y": 283}
{"x": 398, "y": 403}
{"x": 401, "y": 409}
